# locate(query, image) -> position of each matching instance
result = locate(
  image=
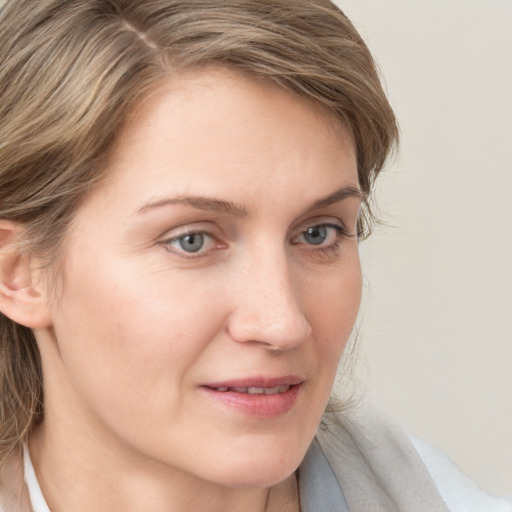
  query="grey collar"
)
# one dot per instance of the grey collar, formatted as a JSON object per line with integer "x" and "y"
{"x": 319, "y": 490}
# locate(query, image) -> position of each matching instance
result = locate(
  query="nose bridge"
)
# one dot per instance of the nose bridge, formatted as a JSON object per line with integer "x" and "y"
{"x": 268, "y": 307}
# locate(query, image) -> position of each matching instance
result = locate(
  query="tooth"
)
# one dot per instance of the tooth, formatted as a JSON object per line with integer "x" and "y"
{"x": 256, "y": 391}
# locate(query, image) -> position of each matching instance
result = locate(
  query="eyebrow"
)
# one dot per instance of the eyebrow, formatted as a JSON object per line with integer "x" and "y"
{"x": 220, "y": 206}
{"x": 199, "y": 203}
{"x": 337, "y": 196}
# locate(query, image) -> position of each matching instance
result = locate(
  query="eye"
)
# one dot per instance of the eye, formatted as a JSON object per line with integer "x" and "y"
{"x": 322, "y": 235}
{"x": 191, "y": 243}
{"x": 315, "y": 235}
{"x": 194, "y": 242}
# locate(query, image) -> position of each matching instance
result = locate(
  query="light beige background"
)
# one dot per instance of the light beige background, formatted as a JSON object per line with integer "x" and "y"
{"x": 437, "y": 326}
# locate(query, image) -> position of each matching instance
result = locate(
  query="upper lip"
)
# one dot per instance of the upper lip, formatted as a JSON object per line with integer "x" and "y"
{"x": 256, "y": 382}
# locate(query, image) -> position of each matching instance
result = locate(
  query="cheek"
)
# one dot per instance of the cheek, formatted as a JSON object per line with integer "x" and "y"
{"x": 130, "y": 331}
{"x": 333, "y": 314}
{"x": 332, "y": 309}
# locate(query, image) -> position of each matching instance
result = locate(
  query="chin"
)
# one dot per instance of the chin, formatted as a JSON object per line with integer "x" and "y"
{"x": 257, "y": 479}
{"x": 256, "y": 470}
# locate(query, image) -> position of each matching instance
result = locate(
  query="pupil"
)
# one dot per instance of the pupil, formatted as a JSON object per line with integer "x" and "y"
{"x": 316, "y": 235}
{"x": 192, "y": 243}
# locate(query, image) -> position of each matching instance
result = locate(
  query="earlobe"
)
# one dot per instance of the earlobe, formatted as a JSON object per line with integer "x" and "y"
{"x": 22, "y": 298}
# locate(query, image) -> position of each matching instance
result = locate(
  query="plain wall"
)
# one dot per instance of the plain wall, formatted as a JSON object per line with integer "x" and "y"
{"x": 437, "y": 328}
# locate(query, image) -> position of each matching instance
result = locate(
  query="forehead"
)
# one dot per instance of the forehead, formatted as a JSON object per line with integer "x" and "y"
{"x": 204, "y": 94}
{"x": 204, "y": 130}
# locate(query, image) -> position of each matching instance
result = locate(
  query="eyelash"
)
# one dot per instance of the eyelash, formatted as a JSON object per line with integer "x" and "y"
{"x": 340, "y": 233}
{"x": 168, "y": 243}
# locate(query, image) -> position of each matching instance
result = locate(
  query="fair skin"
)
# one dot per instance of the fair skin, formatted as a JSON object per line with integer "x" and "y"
{"x": 218, "y": 253}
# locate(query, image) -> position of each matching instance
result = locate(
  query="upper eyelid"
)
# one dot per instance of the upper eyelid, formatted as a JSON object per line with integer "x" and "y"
{"x": 340, "y": 229}
{"x": 188, "y": 229}
{"x": 206, "y": 234}
{"x": 320, "y": 221}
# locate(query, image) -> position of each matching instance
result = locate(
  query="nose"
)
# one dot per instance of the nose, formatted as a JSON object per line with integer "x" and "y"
{"x": 267, "y": 308}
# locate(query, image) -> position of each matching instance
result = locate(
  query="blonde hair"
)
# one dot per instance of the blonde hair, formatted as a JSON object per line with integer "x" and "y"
{"x": 72, "y": 70}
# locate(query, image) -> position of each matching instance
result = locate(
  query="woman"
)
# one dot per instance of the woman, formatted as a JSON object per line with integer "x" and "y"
{"x": 183, "y": 185}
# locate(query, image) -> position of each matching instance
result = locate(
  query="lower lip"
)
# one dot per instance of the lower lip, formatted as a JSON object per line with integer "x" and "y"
{"x": 262, "y": 406}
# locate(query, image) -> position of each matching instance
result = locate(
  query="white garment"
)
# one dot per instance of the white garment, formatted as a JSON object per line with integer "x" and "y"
{"x": 36, "y": 496}
{"x": 460, "y": 493}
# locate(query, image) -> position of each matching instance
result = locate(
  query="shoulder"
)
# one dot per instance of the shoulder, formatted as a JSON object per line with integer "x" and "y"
{"x": 460, "y": 493}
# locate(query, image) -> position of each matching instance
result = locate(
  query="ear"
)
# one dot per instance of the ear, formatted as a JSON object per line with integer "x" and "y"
{"x": 22, "y": 297}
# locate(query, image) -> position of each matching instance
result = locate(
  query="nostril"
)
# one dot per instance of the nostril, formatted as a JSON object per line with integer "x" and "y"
{"x": 266, "y": 305}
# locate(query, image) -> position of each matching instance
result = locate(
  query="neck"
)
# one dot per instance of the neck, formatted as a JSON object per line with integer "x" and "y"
{"x": 67, "y": 470}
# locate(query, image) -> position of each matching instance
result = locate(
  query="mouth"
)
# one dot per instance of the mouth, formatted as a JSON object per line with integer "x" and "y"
{"x": 257, "y": 397}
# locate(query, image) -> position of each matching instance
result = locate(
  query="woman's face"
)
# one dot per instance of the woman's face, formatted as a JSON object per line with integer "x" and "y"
{"x": 210, "y": 284}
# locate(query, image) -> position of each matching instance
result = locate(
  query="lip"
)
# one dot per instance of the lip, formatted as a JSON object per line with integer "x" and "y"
{"x": 270, "y": 403}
